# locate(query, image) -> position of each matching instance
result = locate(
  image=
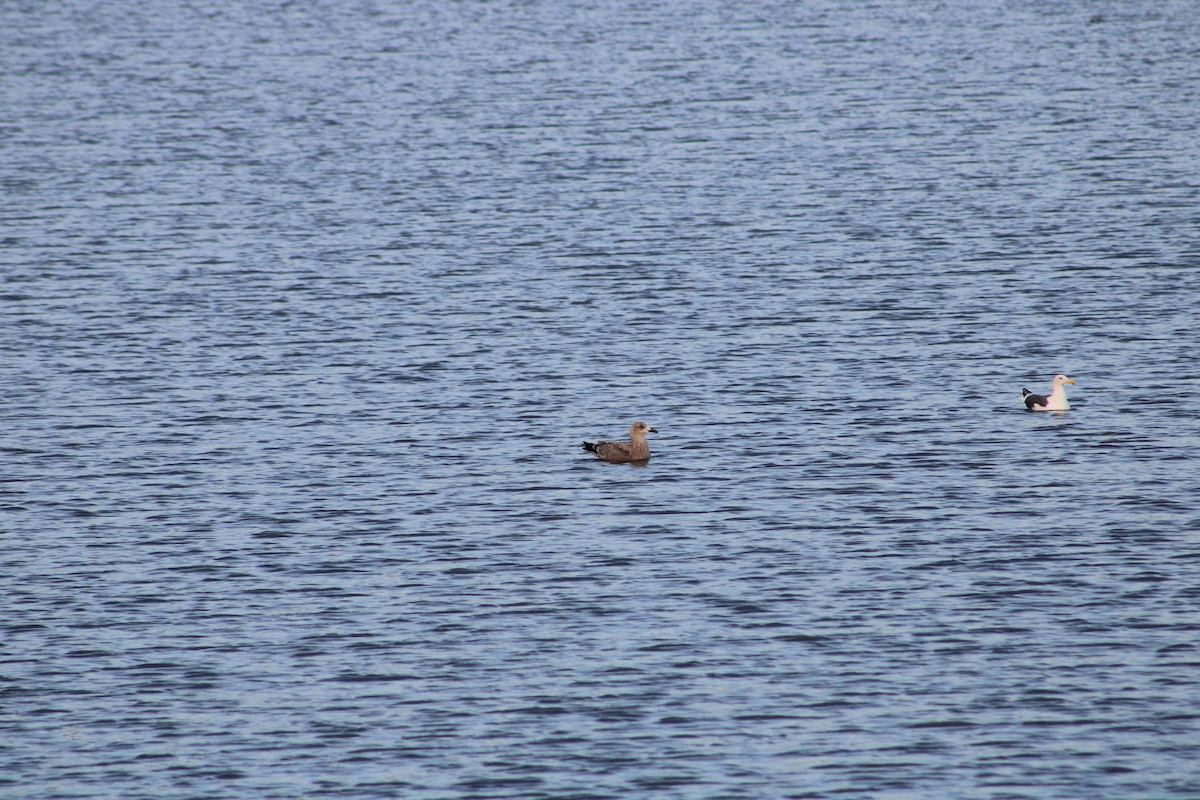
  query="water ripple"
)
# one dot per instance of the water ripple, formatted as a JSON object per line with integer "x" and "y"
{"x": 305, "y": 318}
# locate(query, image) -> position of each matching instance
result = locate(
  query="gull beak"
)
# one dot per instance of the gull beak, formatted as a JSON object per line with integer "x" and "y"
{"x": 1068, "y": 380}
{"x": 651, "y": 430}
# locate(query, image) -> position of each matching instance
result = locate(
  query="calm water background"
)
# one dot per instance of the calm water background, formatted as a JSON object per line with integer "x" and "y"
{"x": 307, "y": 307}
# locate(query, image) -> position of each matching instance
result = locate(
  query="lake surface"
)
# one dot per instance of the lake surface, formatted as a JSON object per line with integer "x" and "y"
{"x": 305, "y": 309}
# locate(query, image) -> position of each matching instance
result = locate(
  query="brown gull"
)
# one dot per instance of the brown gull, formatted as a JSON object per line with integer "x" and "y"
{"x": 634, "y": 450}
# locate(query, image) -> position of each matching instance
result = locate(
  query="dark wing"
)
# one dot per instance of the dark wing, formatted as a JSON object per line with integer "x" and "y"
{"x": 612, "y": 451}
{"x": 1032, "y": 399}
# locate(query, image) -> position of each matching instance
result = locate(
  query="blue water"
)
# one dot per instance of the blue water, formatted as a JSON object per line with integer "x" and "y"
{"x": 306, "y": 307}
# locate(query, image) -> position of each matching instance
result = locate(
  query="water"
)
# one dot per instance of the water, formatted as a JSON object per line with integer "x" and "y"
{"x": 307, "y": 307}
